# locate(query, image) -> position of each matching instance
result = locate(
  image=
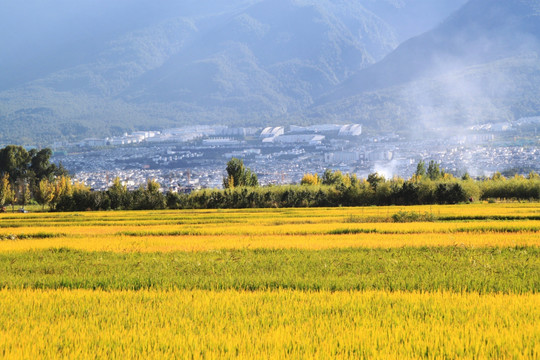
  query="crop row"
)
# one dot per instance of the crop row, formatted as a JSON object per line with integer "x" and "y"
{"x": 148, "y": 244}
{"x": 483, "y": 270}
{"x": 249, "y": 226}
{"x": 439, "y": 212}
{"x": 267, "y": 324}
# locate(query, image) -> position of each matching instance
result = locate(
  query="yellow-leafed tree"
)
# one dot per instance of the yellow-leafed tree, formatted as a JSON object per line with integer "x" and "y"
{"x": 44, "y": 193}
{"x": 310, "y": 179}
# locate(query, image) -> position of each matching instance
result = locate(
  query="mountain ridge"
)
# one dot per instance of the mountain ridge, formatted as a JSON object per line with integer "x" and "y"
{"x": 480, "y": 37}
{"x": 264, "y": 62}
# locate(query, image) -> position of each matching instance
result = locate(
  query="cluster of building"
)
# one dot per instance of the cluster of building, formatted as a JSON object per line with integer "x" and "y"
{"x": 177, "y": 135}
{"x": 311, "y": 135}
{"x": 220, "y": 135}
{"x": 195, "y": 157}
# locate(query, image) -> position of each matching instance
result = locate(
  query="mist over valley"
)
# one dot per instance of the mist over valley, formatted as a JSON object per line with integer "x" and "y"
{"x": 423, "y": 80}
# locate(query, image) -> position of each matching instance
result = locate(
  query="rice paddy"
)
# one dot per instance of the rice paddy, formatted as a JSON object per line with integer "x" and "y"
{"x": 456, "y": 282}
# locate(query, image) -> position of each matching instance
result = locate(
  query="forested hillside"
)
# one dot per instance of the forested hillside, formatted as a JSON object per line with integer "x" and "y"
{"x": 98, "y": 68}
{"x": 480, "y": 65}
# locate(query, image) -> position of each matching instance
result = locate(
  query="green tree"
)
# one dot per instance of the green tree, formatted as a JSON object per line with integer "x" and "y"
{"x": 448, "y": 193}
{"x": 533, "y": 176}
{"x": 498, "y": 177}
{"x": 118, "y": 195}
{"x": 62, "y": 188}
{"x": 14, "y": 161}
{"x": 40, "y": 165}
{"x": 421, "y": 169}
{"x": 433, "y": 171}
{"x": 25, "y": 194}
{"x": 332, "y": 178}
{"x": 11, "y": 197}
{"x": 239, "y": 175}
{"x": 22, "y": 192}
{"x": 149, "y": 197}
{"x": 375, "y": 180}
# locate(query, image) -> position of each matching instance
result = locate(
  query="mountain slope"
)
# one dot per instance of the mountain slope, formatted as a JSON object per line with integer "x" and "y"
{"x": 39, "y": 38}
{"x": 98, "y": 68}
{"x": 410, "y": 18}
{"x": 494, "y": 43}
{"x": 480, "y": 32}
{"x": 275, "y": 55}
{"x": 254, "y": 60}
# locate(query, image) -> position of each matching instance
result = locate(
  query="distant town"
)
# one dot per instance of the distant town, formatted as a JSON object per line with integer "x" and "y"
{"x": 194, "y": 157}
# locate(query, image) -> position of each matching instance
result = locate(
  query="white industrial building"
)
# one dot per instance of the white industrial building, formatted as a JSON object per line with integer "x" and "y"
{"x": 93, "y": 142}
{"x": 220, "y": 142}
{"x": 296, "y": 139}
{"x": 341, "y": 130}
{"x": 116, "y": 141}
{"x": 272, "y": 132}
{"x": 350, "y": 130}
{"x": 343, "y": 157}
{"x": 325, "y": 128}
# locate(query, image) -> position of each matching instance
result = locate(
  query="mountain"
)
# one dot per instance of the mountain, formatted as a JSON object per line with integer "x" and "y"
{"x": 411, "y": 18}
{"x": 97, "y": 68}
{"x": 39, "y": 38}
{"x": 480, "y": 64}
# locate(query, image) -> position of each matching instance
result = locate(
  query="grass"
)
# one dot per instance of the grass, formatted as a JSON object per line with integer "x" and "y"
{"x": 483, "y": 270}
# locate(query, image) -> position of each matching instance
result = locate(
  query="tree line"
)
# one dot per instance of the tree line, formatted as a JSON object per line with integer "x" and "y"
{"x": 29, "y": 176}
{"x": 25, "y": 175}
{"x": 429, "y": 185}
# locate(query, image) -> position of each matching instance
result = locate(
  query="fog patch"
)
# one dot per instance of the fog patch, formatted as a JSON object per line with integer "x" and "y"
{"x": 387, "y": 169}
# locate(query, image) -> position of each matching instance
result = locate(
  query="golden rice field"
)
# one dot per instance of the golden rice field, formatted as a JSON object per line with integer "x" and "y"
{"x": 273, "y": 229}
{"x": 272, "y": 283}
{"x": 272, "y": 324}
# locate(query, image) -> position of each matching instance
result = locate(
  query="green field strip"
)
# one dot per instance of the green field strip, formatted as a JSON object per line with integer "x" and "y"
{"x": 491, "y": 270}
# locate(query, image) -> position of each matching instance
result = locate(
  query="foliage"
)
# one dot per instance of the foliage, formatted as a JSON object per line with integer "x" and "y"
{"x": 411, "y": 216}
{"x": 5, "y": 189}
{"x": 24, "y": 194}
{"x": 345, "y": 190}
{"x": 118, "y": 195}
{"x": 310, "y": 179}
{"x": 421, "y": 169}
{"x": 44, "y": 194}
{"x": 338, "y": 189}
{"x": 149, "y": 197}
{"x": 241, "y": 191}
{"x": 25, "y": 172}
{"x": 14, "y": 161}
{"x": 513, "y": 188}
{"x": 238, "y": 175}
{"x": 32, "y": 166}
{"x": 433, "y": 171}
{"x": 450, "y": 193}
